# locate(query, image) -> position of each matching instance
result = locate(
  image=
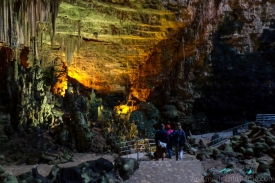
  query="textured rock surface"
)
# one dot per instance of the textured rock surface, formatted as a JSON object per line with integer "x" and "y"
{"x": 244, "y": 153}
{"x": 213, "y": 56}
{"x": 125, "y": 167}
{"x": 231, "y": 76}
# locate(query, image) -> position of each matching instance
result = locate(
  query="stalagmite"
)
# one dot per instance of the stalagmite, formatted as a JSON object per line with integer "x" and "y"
{"x": 15, "y": 70}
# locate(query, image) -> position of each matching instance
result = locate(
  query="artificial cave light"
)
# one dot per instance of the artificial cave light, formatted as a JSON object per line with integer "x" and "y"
{"x": 126, "y": 108}
{"x": 60, "y": 87}
{"x": 123, "y": 109}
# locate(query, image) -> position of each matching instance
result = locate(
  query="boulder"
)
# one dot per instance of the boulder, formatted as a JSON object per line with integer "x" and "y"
{"x": 251, "y": 125}
{"x": 2, "y": 174}
{"x": 53, "y": 173}
{"x": 25, "y": 177}
{"x": 11, "y": 178}
{"x": 125, "y": 167}
{"x": 263, "y": 172}
{"x": 96, "y": 171}
{"x": 260, "y": 147}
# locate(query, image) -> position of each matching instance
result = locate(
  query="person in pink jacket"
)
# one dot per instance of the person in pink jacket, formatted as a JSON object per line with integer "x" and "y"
{"x": 169, "y": 144}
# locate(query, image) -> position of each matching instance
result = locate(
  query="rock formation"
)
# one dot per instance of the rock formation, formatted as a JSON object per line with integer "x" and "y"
{"x": 193, "y": 54}
{"x": 100, "y": 170}
{"x": 246, "y": 155}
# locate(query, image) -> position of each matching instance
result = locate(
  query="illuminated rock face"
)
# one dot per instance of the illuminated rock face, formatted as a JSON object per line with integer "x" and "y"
{"x": 117, "y": 40}
{"x": 132, "y": 46}
{"x": 181, "y": 51}
{"x": 129, "y": 47}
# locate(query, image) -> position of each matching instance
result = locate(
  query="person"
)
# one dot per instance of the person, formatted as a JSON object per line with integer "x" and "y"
{"x": 169, "y": 144}
{"x": 179, "y": 140}
{"x": 161, "y": 136}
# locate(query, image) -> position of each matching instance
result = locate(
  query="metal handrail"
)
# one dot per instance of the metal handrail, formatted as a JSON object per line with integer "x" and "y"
{"x": 226, "y": 134}
{"x": 245, "y": 125}
{"x": 134, "y": 146}
{"x": 265, "y": 119}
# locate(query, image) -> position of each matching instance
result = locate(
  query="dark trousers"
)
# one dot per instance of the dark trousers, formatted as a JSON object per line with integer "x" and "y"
{"x": 169, "y": 149}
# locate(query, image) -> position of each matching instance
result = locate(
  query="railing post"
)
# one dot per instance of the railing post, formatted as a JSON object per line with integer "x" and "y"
{"x": 129, "y": 149}
{"x": 137, "y": 149}
{"x": 149, "y": 148}
{"x": 119, "y": 149}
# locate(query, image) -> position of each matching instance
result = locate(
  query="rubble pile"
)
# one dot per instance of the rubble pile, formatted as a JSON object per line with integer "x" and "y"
{"x": 250, "y": 155}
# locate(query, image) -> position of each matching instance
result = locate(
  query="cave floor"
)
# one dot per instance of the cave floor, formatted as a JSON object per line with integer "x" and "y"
{"x": 45, "y": 169}
{"x": 188, "y": 170}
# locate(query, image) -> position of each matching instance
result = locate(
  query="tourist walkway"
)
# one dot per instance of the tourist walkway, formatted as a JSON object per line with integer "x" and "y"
{"x": 187, "y": 171}
{"x": 169, "y": 170}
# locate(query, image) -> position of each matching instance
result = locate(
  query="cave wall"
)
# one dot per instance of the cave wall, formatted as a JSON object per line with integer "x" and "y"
{"x": 232, "y": 77}
{"x": 213, "y": 56}
{"x": 242, "y": 84}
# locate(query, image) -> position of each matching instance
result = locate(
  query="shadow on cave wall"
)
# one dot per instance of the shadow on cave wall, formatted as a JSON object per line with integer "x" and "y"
{"x": 242, "y": 85}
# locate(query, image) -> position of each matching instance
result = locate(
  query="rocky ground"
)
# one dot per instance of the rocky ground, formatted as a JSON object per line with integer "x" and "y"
{"x": 42, "y": 147}
{"x": 249, "y": 156}
{"x": 45, "y": 169}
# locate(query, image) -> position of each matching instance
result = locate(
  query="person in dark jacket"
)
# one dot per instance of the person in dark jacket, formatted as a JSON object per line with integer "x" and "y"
{"x": 161, "y": 136}
{"x": 179, "y": 140}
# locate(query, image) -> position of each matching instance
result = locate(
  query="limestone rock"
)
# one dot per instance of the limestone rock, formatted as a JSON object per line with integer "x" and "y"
{"x": 125, "y": 167}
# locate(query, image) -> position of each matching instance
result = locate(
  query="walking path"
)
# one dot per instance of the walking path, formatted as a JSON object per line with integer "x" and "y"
{"x": 187, "y": 171}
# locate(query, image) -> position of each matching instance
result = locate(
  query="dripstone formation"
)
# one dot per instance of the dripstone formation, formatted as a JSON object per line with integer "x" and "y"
{"x": 82, "y": 76}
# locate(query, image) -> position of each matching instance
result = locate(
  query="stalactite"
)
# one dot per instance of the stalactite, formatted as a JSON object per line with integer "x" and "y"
{"x": 59, "y": 38}
{"x": 70, "y": 48}
{"x": 79, "y": 35}
{"x": 40, "y": 29}
{"x": 25, "y": 38}
{"x": 22, "y": 16}
{"x": 62, "y": 44}
{"x": 5, "y": 21}
{"x": 54, "y": 11}
{"x": 1, "y": 22}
